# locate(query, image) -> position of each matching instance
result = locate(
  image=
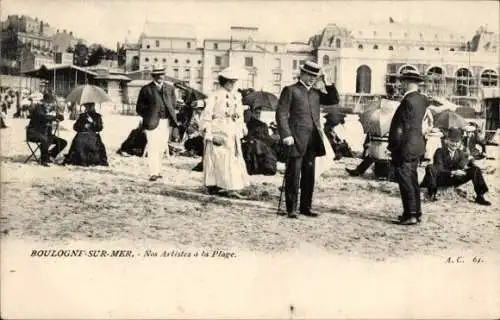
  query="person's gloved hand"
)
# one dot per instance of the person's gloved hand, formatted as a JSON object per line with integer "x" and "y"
{"x": 288, "y": 141}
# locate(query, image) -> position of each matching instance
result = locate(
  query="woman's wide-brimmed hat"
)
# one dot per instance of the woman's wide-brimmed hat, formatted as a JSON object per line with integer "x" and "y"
{"x": 157, "y": 70}
{"x": 311, "y": 67}
{"x": 411, "y": 76}
{"x": 230, "y": 74}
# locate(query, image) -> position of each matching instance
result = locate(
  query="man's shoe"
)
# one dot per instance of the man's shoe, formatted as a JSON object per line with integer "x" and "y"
{"x": 309, "y": 213}
{"x": 403, "y": 217}
{"x": 45, "y": 164}
{"x": 154, "y": 177}
{"x": 408, "y": 221}
{"x": 292, "y": 215}
{"x": 352, "y": 172}
{"x": 482, "y": 201}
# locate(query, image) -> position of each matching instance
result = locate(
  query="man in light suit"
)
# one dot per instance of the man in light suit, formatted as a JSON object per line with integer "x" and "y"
{"x": 298, "y": 120}
{"x": 156, "y": 106}
{"x": 407, "y": 145}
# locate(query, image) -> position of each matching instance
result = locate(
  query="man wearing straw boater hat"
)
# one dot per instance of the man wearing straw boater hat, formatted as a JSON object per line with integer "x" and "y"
{"x": 156, "y": 106}
{"x": 407, "y": 145}
{"x": 298, "y": 120}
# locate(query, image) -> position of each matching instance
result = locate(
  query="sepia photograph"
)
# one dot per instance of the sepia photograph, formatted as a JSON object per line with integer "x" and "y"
{"x": 223, "y": 159}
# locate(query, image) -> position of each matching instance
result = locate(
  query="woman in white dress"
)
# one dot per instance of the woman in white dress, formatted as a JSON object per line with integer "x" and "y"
{"x": 222, "y": 122}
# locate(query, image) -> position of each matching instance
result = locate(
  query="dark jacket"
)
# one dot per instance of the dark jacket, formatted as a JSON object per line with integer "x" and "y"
{"x": 40, "y": 120}
{"x": 444, "y": 164}
{"x": 154, "y": 104}
{"x": 406, "y": 140}
{"x": 298, "y": 114}
{"x": 95, "y": 125}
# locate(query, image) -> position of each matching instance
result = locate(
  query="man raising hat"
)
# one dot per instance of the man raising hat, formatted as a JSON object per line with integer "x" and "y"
{"x": 298, "y": 120}
{"x": 407, "y": 145}
{"x": 156, "y": 106}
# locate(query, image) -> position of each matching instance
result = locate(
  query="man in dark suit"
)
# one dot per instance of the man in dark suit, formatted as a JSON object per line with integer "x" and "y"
{"x": 40, "y": 130}
{"x": 407, "y": 145}
{"x": 156, "y": 106}
{"x": 454, "y": 167}
{"x": 298, "y": 120}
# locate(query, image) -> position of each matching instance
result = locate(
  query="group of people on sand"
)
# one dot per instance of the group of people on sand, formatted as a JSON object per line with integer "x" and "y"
{"x": 86, "y": 149}
{"x": 234, "y": 143}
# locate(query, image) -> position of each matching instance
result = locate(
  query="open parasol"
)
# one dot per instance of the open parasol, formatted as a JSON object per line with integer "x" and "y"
{"x": 377, "y": 117}
{"x": 449, "y": 119}
{"x": 86, "y": 94}
{"x": 263, "y": 99}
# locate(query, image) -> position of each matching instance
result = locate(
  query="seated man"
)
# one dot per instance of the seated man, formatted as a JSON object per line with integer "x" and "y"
{"x": 453, "y": 167}
{"x": 40, "y": 130}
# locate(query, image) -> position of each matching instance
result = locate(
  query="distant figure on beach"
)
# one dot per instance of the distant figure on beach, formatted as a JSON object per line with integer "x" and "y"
{"x": 87, "y": 148}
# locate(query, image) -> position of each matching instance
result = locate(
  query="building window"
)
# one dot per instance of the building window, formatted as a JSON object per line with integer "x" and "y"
{"x": 155, "y": 59}
{"x": 176, "y": 73}
{"x": 146, "y": 59}
{"x": 216, "y": 46}
{"x": 326, "y": 60}
{"x": 199, "y": 61}
{"x": 436, "y": 49}
{"x": 218, "y": 60}
{"x": 148, "y": 46}
{"x": 375, "y": 47}
{"x": 157, "y": 43}
{"x": 277, "y": 63}
{"x": 189, "y": 45}
{"x": 249, "y": 62}
{"x": 188, "y": 61}
{"x": 277, "y": 76}
{"x": 337, "y": 43}
{"x": 363, "y": 79}
{"x": 435, "y": 36}
{"x": 360, "y": 46}
{"x": 176, "y": 61}
{"x": 294, "y": 64}
{"x": 421, "y": 48}
{"x": 164, "y": 60}
{"x": 275, "y": 48}
{"x": 452, "y": 49}
{"x": 301, "y": 62}
{"x": 187, "y": 74}
{"x": 374, "y": 33}
{"x": 199, "y": 73}
{"x": 489, "y": 78}
{"x": 463, "y": 82}
{"x": 244, "y": 46}
{"x": 391, "y": 48}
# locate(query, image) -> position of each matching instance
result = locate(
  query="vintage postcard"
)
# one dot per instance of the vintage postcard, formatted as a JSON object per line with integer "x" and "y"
{"x": 249, "y": 159}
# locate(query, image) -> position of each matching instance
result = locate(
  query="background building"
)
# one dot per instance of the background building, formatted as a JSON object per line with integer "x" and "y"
{"x": 364, "y": 61}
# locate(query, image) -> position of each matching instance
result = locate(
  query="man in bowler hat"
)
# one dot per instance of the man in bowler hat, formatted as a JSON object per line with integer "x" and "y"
{"x": 407, "y": 145}
{"x": 156, "y": 106}
{"x": 298, "y": 120}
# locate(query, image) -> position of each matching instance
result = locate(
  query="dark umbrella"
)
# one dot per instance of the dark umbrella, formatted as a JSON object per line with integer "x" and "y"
{"x": 263, "y": 99}
{"x": 449, "y": 119}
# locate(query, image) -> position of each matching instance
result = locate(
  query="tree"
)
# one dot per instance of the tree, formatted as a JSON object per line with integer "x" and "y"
{"x": 122, "y": 56}
{"x": 80, "y": 54}
{"x": 11, "y": 45}
{"x": 96, "y": 55}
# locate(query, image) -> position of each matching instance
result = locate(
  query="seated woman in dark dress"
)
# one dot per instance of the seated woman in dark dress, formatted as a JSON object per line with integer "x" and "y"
{"x": 87, "y": 148}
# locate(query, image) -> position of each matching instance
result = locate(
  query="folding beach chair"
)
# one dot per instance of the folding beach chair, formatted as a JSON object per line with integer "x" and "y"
{"x": 34, "y": 148}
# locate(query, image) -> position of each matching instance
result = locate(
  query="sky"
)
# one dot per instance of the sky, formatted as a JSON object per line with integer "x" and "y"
{"x": 111, "y": 21}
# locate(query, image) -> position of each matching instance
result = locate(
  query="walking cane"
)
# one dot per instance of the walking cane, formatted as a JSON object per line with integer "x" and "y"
{"x": 287, "y": 157}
